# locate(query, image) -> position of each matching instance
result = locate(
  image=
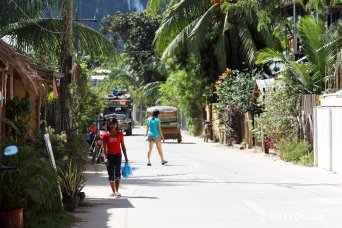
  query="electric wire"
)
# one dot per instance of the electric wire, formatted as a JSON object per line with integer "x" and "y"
{"x": 17, "y": 6}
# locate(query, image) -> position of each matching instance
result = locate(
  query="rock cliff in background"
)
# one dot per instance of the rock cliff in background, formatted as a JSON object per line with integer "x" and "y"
{"x": 100, "y": 8}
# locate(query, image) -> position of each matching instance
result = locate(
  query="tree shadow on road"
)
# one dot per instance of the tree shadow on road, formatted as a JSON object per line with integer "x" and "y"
{"x": 97, "y": 211}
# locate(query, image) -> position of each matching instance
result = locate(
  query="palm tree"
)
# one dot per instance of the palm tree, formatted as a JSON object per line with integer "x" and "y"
{"x": 319, "y": 45}
{"x": 32, "y": 34}
{"x": 191, "y": 26}
{"x": 22, "y": 24}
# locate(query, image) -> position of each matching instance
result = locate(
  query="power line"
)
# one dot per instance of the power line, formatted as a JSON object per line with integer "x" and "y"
{"x": 17, "y": 6}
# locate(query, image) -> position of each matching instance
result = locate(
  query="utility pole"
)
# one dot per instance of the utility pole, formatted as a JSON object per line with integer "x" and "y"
{"x": 66, "y": 66}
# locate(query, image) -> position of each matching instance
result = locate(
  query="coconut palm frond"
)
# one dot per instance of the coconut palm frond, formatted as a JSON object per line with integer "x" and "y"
{"x": 92, "y": 42}
{"x": 117, "y": 72}
{"x": 179, "y": 43}
{"x": 203, "y": 26}
{"x": 320, "y": 47}
{"x": 269, "y": 55}
{"x": 151, "y": 90}
{"x": 221, "y": 46}
{"x": 221, "y": 52}
{"x": 179, "y": 16}
{"x": 311, "y": 35}
{"x": 13, "y": 11}
{"x": 301, "y": 73}
{"x": 248, "y": 48}
{"x": 45, "y": 34}
{"x": 154, "y": 5}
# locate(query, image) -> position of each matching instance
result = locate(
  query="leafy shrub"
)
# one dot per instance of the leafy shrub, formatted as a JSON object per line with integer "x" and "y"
{"x": 291, "y": 150}
{"x": 235, "y": 98}
{"x": 278, "y": 119}
{"x": 236, "y": 90}
{"x": 306, "y": 159}
{"x": 58, "y": 142}
{"x": 76, "y": 150}
{"x": 18, "y": 111}
{"x": 184, "y": 88}
{"x": 33, "y": 186}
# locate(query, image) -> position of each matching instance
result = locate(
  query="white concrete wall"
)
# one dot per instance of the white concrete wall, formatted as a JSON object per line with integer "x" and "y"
{"x": 336, "y": 149}
{"x": 328, "y": 138}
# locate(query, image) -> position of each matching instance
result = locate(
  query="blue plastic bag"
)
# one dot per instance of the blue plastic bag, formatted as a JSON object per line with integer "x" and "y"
{"x": 126, "y": 170}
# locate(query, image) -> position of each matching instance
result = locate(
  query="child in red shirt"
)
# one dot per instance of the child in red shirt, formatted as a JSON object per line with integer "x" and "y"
{"x": 113, "y": 144}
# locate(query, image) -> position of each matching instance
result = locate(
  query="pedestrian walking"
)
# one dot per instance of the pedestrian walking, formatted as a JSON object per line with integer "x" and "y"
{"x": 154, "y": 136}
{"x": 114, "y": 146}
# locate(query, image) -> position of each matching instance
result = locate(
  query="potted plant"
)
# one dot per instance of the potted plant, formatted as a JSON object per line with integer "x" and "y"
{"x": 11, "y": 209}
{"x": 72, "y": 182}
{"x": 31, "y": 188}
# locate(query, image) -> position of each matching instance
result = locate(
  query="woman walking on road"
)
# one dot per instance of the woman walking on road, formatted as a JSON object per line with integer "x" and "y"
{"x": 113, "y": 144}
{"x": 154, "y": 135}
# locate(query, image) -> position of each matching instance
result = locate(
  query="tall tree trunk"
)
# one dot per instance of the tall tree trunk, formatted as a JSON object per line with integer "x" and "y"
{"x": 66, "y": 65}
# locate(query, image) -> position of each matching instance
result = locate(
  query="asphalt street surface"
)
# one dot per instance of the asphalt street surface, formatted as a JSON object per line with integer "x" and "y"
{"x": 210, "y": 185}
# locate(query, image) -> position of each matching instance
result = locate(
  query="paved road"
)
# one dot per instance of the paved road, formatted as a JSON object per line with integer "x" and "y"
{"x": 210, "y": 185}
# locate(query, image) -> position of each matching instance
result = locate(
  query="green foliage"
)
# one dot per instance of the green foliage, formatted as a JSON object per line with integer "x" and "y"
{"x": 76, "y": 150}
{"x": 306, "y": 159}
{"x": 28, "y": 36}
{"x": 319, "y": 45}
{"x": 58, "y": 142}
{"x": 135, "y": 31}
{"x": 294, "y": 151}
{"x": 237, "y": 89}
{"x": 51, "y": 219}
{"x": 278, "y": 118}
{"x": 18, "y": 111}
{"x": 28, "y": 9}
{"x": 201, "y": 28}
{"x": 157, "y": 6}
{"x": 71, "y": 180}
{"x": 64, "y": 148}
{"x": 184, "y": 88}
{"x": 235, "y": 98}
{"x": 86, "y": 102}
{"x": 122, "y": 76}
{"x": 10, "y": 123}
{"x": 33, "y": 186}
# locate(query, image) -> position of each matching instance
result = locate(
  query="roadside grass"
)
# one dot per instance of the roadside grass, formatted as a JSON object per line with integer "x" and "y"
{"x": 297, "y": 152}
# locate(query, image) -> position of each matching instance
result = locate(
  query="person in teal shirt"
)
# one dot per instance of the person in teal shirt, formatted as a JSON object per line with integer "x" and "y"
{"x": 154, "y": 136}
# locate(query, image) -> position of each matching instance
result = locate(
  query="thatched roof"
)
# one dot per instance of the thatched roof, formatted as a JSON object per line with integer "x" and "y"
{"x": 23, "y": 67}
